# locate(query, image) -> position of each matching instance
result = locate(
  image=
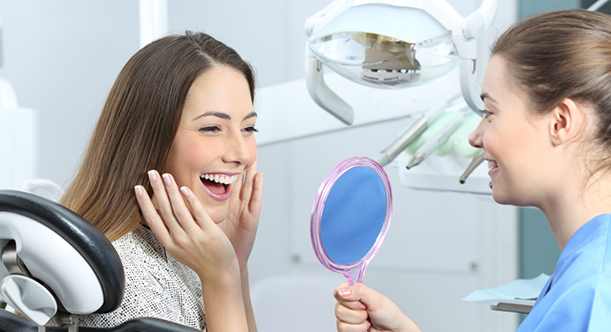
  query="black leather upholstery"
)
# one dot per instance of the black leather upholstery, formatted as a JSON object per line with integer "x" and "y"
{"x": 12, "y": 323}
{"x": 82, "y": 235}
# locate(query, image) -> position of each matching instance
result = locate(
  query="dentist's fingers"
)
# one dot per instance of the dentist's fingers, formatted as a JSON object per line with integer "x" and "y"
{"x": 347, "y": 327}
{"x": 350, "y": 315}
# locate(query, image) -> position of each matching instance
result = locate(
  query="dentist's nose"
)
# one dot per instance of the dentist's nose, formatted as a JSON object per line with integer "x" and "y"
{"x": 476, "y": 137}
{"x": 237, "y": 150}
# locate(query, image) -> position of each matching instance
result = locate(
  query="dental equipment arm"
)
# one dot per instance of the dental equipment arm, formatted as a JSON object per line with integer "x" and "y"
{"x": 437, "y": 139}
{"x": 474, "y": 26}
{"x": 475, "y": 162}
{"x": 412, "y": 132}
{"x": 322, "y": 95}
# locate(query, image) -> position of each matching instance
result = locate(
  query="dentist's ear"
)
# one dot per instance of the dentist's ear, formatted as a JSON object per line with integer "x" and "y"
{"x": 567, "y": 122}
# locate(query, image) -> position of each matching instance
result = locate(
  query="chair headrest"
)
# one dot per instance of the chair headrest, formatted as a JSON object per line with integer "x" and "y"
{"x": 88, "y": 241}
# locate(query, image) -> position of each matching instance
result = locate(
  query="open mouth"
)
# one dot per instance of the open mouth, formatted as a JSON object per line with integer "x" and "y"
{"x": 218, "y": 184}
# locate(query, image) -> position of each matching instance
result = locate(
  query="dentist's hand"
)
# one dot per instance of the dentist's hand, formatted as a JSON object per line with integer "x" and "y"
{"x": 186, "y": 230}
{"x": 361, "y": 309}
{"x": 243, "y": 215}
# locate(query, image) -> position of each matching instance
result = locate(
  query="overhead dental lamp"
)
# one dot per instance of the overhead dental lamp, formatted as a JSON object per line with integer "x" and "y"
{"x": 393, "y": 44}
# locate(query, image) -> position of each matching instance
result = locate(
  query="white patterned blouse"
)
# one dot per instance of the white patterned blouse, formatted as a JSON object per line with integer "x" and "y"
{"x": 156, "y": 285}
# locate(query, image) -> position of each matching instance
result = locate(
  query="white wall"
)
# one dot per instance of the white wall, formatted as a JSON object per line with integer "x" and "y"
{"x": 62, "y": 56}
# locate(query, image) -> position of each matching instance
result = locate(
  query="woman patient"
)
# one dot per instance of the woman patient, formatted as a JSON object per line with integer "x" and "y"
{"x": 170, "y": 178}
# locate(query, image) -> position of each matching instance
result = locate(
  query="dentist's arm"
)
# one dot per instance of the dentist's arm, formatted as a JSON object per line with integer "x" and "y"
{"x": 360, "y": 308}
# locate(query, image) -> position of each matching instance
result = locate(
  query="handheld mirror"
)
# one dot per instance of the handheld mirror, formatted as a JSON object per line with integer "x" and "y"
{"x": 350, "y": 216}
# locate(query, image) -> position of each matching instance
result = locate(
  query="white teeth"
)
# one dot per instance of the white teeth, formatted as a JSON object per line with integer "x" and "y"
{"x": 223, "y": 179}
{"x": 491, "y": 164}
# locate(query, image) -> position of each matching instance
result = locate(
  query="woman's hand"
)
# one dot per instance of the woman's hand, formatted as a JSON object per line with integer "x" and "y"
{"x": 360, "y": 308}
{"x": 192, "y": 238}
{"x": 243, "y": 215}
{"x": 186, "y": 230}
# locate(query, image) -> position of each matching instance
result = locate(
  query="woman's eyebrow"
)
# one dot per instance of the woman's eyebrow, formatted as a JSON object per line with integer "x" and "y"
{"x": 221, "y": 115}
{"x": 250, "y": 115}
{"x": 485, "y": 95}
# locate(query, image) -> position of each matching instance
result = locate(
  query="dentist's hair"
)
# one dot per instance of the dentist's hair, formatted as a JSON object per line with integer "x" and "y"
{"x": 564, "y": 54}
{"x": 137, "y": 127}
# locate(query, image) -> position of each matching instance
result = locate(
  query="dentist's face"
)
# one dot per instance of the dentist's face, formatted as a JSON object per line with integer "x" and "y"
{"x": 215, "y": 140}
{"x": 514, "y": 140}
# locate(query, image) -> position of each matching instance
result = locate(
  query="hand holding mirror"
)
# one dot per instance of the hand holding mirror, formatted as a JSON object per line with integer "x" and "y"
{"x": 350, "y": 216}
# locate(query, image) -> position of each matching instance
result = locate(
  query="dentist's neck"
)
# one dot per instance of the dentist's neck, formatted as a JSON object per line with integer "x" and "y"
{"x": 575, "y": 204}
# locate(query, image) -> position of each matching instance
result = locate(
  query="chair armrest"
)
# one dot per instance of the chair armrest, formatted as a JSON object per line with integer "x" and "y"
{"x": 10, "y": 322}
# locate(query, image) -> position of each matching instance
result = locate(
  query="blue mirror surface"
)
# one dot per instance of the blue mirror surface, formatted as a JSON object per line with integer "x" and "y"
{"x": 353, "y": 215}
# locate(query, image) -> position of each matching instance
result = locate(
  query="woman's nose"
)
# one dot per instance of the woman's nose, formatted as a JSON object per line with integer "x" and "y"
{"x": 237, "y": 150}
{"x": 476, "y": 137}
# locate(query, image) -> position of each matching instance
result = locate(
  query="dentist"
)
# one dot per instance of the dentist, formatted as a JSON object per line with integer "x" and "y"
{"x": 546, "y": 134}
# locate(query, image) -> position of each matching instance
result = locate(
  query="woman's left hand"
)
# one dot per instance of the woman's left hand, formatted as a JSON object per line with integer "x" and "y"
{"x": 243, "y": 215}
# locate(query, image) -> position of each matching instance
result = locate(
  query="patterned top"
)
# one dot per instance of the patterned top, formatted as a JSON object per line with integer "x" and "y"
{"x": 156, "y": 285}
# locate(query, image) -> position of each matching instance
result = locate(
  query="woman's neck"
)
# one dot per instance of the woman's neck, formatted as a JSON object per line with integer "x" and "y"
{"x": 575, "y": 204}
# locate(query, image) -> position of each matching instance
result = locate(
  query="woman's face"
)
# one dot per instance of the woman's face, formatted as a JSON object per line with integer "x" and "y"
{"x": 215, "y": 140}
{"x": 514, "y": 140}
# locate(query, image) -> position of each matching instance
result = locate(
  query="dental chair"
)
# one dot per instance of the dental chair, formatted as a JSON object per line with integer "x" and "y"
{"x": 56, "y": 266}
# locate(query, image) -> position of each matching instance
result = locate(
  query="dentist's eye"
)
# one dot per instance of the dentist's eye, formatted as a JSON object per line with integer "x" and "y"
{"x": 251, "y": 129}
{"x": 210, "y": 129}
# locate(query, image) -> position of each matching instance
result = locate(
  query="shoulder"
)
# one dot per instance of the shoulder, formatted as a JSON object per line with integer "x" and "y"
{"x": 579, "y": 305}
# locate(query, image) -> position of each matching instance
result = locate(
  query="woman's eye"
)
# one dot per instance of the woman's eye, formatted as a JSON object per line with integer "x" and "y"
{"x": 210, "y": 129}
{"x": 251, "y": 129}
{"x": 485, "y": 114}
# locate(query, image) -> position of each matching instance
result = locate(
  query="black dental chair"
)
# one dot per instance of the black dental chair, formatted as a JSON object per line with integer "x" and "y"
{"x": 56, "y": 266}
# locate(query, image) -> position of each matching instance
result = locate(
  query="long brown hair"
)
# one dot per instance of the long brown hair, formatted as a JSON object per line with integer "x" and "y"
{"x": 564, "y": 54}
{"x": 137, "y": 127}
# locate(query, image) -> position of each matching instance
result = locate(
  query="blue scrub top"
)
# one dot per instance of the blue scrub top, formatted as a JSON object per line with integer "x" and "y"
{"x": 577, "y": 297}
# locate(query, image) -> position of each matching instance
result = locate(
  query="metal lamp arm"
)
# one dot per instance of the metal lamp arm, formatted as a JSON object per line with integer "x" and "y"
{"x": 322, "y": 94}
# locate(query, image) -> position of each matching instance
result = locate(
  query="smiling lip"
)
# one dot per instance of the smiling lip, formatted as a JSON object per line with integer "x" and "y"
{"x": 216, "y": 196}
{"x": 492, "y": 166}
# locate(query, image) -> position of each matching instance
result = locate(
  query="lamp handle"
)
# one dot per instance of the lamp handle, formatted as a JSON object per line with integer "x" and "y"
{"x": 322, "y": 95}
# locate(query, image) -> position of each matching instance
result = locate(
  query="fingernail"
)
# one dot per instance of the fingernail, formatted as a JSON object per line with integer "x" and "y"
{"x": 166, "y": 179}
{"x": 152, "y": 176}
{"x": 185, "y": 191}
{"x": 363, "y": 306}
{"x": 344, "y": 292}
{"x": 138, "y": 191}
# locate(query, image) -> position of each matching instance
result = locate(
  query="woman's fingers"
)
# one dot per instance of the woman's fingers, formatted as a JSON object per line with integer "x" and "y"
{"x": 179, "y": 208}
{"x": 151, "y": 217}
{"x": 257, "y": 194}
{"x": 246, "y": 191}
{"x": 197, "y": 210}
{"x": 164, "y": 206}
